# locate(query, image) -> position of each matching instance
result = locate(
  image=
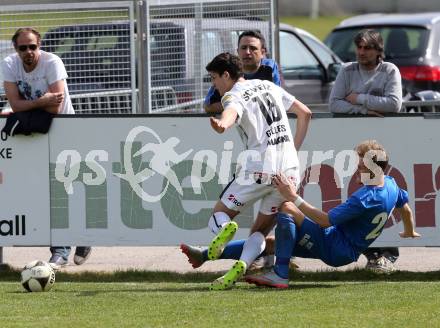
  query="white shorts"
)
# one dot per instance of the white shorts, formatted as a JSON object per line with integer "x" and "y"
{"x": 237, "y": 196}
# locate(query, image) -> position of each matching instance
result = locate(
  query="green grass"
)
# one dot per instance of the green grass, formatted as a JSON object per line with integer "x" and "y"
{"x": 319, "y": 27}
{"x": 10, "y": 21}
{"x": 152, "y": 299}
{"x": 310, "y": 304}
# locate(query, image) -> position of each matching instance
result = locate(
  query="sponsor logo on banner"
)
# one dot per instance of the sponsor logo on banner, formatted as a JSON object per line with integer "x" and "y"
{"x": 164, "y": 157}
{"x": 184, "y": 182}
{"x": 13, "y": 227}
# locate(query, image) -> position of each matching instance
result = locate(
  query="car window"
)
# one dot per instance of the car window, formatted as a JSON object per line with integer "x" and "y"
{"x": 399, "y": 42}
{"x": 65, "y": 46}
{"x": 320, "y": 50}
{"x": 167, "y": 51}
{"x": 296, "y": 60}
{"x": 211, "y": 45}
{"x": 102, "y": 42}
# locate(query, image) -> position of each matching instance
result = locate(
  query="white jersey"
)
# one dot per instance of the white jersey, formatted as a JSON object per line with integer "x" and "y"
{"x": 261, "y": 107}
{"x": 33, "y": 85}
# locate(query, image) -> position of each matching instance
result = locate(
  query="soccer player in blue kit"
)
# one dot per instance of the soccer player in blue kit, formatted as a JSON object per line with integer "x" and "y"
{"x": 341, "y": 235}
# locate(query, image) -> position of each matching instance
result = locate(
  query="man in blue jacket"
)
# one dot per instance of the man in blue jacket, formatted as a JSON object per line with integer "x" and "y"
{"x": 252, "y": 52}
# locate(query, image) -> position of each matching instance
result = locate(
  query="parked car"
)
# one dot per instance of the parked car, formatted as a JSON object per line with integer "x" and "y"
{"x": 411, "y": 42}
{"x": 98, "y": 59}
{"x": 97, "y": 56}
{"x": 308, "y": 66}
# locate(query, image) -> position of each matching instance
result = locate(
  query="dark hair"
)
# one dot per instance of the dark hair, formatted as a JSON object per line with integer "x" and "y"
{"x": 254, "y": 34}
{"x": 25, "y": 30}
{"x": 373, "y": 39}
{"x": 226, "y": 62}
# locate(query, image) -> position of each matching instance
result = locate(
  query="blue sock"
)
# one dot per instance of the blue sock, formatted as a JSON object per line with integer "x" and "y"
{"x": 285, "y": 240}
{"x": 205, "y": 254}
{"x": 232, "y": 250}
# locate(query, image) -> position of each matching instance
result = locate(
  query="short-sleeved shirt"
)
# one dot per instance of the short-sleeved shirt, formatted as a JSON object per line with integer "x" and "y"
{"x": 362, "y": 217}
{"x": 267, "y": 71}
{"x": 33, "y": 85}
{"x": 262, "y": 120}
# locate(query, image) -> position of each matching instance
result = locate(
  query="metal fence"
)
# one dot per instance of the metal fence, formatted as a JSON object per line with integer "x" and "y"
{"x": 184, "y": 37}
{"x": 425, "y": 106}
{"x": 149, "y": 58}
{"x": 96, "y": 42}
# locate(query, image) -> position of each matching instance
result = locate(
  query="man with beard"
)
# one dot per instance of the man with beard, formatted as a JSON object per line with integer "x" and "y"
{"x": 36, "y": 80}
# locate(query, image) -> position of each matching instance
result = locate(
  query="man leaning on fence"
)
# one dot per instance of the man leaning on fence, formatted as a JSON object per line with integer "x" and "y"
{"x": 36, "y": 80}
{"x": 369, "y": 86}
{"x": 252, "y": 52}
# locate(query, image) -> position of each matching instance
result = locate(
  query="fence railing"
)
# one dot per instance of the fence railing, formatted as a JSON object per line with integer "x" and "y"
{"x": 157, "y": 49}
{"x": 425, "y": 106}
{"x": 421, "y": 106}
{"x": 120, "y": 101}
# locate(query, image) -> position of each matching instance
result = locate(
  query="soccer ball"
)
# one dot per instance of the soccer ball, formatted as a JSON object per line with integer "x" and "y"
{"x": 37, "y": 276}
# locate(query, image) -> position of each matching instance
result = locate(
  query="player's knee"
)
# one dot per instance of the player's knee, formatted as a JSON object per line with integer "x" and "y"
{"x": 217, "y": 221}
{"x": 289, "y": 208}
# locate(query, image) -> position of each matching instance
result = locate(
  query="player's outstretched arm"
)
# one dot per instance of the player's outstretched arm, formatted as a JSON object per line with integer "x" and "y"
{"x": 288, "y": 190}
{"x": 303, "y": 114}
{"x": 214, "y": 108}
{"x": 408, "y": 222}
{"x": 226, "y": 120}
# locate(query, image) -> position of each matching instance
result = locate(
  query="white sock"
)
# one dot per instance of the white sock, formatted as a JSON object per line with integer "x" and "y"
{"x": 253, "y": 247}
{"x": 217, "y": 221}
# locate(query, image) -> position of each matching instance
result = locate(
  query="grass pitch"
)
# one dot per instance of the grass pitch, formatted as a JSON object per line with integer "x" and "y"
{"x": 319, "y": 27}
{"x": 151, "y": 299}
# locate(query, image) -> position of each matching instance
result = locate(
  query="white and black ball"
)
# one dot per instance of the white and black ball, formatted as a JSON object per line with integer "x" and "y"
{"x": 37, "y": 276}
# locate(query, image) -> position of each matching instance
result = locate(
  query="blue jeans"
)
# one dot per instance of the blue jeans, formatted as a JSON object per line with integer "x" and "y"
{"x": 63, "y": 251}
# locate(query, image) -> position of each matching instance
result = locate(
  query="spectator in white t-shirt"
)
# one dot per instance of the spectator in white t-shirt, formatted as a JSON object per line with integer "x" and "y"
{"x": 36, "y": 80}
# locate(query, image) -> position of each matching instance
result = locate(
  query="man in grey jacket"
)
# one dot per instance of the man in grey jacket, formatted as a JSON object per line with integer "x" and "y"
{"x": 370, "y": 85}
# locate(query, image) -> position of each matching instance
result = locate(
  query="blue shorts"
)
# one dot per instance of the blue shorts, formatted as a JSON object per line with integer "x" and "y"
{"x": 327, "y": 244}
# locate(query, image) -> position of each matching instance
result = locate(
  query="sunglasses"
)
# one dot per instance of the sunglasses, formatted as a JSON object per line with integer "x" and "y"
{"x": 25, "y": 47}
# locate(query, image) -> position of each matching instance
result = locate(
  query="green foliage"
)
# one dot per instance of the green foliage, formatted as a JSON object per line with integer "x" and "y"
{"x": 319, "y": 27}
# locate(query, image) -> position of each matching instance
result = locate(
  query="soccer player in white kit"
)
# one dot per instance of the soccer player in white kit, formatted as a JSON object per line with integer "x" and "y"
{"x": 259, "y": 109}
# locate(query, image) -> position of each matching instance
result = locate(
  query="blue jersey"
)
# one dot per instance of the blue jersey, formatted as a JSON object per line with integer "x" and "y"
{"x": 362, "y": 217}
{"x": 268, "y": 71}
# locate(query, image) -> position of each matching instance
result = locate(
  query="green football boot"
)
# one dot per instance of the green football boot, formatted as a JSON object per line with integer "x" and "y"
{"x": 218, "y": 244}
{"x": 230, "y": 278}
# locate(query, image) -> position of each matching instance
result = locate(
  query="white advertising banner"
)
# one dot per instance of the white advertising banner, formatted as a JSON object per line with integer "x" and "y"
{"x": 154, "y": 180}
{"x": 24, "y": 190}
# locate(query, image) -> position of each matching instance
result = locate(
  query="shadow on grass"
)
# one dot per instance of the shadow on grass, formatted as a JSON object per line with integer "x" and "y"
{"x": 200, "y": 288}
{"x": 10, "y": 274}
